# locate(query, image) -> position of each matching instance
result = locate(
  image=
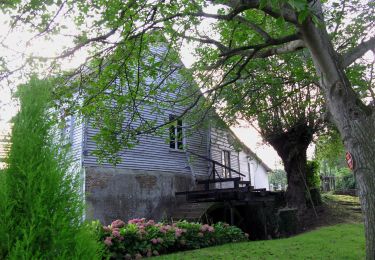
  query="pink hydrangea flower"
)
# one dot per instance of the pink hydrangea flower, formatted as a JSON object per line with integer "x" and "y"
{"x": 116, "y": 232}
{"x": 154, "y": 241}
{"x": 118, "y": 223}
{"x": 160, "y": 240}
{"x": 178, "y": 232}
{"x": 108, "y": 241}
{"x": 210, "y": 229}
{"x": 204, "y": 228}
{"x": 106, "y": 229}
{"x": 135, "y": 221}
{"x": 141, "y": 226}
{"x": 167, "y": 227}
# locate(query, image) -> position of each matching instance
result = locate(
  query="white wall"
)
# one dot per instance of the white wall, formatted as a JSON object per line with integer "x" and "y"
{"x": 244, "y": 165}
{"x": 258, "y": 173}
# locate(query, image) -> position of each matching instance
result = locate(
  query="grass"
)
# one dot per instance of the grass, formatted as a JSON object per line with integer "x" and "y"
{"x": 339, "y": 209}
{"x": 340, "y": 198}
{"x": 343, "y": 241}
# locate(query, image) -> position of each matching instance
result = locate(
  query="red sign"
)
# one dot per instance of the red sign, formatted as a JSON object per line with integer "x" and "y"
{"x": 349, "y": 160}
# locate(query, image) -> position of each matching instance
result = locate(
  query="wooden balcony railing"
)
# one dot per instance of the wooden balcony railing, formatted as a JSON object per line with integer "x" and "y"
{"x": 215, "y": 177}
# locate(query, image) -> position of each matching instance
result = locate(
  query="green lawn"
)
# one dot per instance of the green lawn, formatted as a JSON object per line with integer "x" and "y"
{"x": 343, "y": 241}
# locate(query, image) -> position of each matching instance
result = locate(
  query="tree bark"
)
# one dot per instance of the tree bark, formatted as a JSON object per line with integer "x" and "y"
{"x": 353, "y": 118}
{"x": 295, "y": 167}
{"x": 291, "y": 147}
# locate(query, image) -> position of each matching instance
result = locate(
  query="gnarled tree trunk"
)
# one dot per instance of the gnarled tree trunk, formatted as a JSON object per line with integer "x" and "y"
{"x": 354, "y": 120}
{"x": 291, "y": 147}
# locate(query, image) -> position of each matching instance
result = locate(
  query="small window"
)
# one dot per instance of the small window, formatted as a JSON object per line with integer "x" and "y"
{"x": 175, "y": 134}
{"x": 225, "y": 160}
{"x": 66, "y": 132}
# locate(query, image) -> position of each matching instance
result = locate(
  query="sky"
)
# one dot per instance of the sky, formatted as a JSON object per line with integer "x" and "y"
{"x": 17, "y": 44}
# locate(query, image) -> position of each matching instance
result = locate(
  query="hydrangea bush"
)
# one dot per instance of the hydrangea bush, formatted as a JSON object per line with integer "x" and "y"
{"x": 144, "y": 238}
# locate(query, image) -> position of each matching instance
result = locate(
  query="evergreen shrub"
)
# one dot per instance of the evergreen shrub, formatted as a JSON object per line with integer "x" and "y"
{"x": 41, "y": 206}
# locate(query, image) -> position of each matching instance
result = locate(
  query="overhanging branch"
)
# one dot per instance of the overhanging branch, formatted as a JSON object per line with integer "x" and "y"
{"x": 357, "y": 52}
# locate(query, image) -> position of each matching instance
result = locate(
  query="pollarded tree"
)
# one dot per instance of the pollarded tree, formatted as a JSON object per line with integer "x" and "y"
{"x": 280, "y": 95}
{"x": 290, "y": 127}
{"x": 267, "y": 29}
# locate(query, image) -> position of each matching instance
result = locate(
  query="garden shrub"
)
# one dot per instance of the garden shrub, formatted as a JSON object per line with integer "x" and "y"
{"x": 312, "y": 174}
{"x": 41, "y": 206}
{"x": 139, "y": 237}
{"x": 345, "y": 179}
{"x": 313, "y": 183}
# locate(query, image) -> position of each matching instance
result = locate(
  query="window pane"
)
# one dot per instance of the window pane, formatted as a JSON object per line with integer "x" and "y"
{"x": 226, "y": 162}
{"x": 179, "y": 135}
{"x": 172, "y": 137}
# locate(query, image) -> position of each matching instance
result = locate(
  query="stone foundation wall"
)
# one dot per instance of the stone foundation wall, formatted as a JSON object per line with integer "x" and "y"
{"x": 125, "y": 194}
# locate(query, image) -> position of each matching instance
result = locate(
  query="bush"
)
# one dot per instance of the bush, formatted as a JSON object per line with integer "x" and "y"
{"x": 313, "y": 183}
{"x": 312, "y": 175}
{"x": 345, "y": 179}
{"x": 41, "y": 206}
{"x": 139, "y": 237}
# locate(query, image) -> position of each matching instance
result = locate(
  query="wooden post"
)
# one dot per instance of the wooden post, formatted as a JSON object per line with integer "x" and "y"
{"x": 231, "y": 215}
{"x": 236, "y": 184}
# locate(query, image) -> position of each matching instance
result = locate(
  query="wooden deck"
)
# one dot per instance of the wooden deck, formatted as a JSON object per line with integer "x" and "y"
{"x": 227, "y": 194}
{"x": 230, "y": 200}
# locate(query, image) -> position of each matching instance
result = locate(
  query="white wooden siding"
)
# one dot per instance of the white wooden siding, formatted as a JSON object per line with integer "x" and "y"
{"x": 250, "y": 166}
{"x": 77, "y": 139}
{"x": 259, "y": 175}
{"x": 153, "y": 152}
{"x": 221, "y": 139}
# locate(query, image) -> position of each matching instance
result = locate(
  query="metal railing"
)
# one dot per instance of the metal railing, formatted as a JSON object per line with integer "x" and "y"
{"x": 214, "y": 167}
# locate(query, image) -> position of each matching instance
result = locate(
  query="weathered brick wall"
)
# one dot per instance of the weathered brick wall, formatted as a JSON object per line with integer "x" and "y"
{"x": 125, "y": 194}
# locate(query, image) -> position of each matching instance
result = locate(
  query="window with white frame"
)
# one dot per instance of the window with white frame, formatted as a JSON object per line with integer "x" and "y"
{"x": 176, "y": 138}
{"x": 225, "y": 160}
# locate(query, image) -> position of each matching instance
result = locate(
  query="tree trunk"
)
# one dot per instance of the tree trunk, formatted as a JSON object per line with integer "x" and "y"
{"x": 295, "y": 167}
{"x": 291, "y": 147}
{"x": 354, "y": 120}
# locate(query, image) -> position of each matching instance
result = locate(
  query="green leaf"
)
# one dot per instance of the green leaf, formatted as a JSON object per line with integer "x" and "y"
{"x": 302, "y": 16}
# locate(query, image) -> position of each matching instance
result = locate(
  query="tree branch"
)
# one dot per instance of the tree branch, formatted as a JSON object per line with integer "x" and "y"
{"x": 357, "y": 52}
{"x": 286, "y": 12}
{"x": 251, "y": 48}
{"x": 286, "y": 48}
{"x": 255, "y": 27}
